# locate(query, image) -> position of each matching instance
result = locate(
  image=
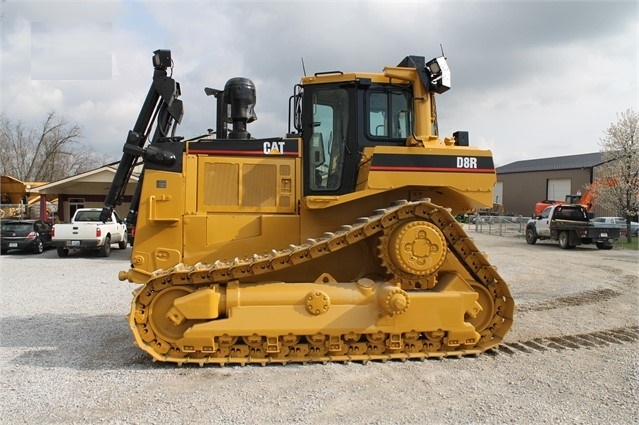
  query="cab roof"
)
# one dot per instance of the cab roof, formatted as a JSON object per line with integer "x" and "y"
{"x": 338, "y": 76}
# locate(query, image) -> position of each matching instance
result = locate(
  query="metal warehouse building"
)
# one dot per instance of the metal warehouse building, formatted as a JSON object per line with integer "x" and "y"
{"x": 521, "y": 184}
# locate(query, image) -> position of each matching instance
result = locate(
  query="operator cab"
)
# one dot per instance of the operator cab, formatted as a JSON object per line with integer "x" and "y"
{"x": 338, "y": 115}
{"x": 339, "y": 119}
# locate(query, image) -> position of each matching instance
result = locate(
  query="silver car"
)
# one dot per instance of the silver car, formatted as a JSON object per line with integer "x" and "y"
{"x": 617, "y": 222}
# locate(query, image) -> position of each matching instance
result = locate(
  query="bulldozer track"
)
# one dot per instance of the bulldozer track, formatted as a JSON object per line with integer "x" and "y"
{"x": 315, "y": 348}
{"x": 588, "y": 340}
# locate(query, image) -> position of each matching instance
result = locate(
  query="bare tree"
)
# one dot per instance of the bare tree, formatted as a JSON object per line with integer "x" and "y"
{"x": 617, "y": 183}
{"x": 48, "y": 152}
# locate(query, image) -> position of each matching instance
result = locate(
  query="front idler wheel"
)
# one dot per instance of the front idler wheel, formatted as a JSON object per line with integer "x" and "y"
{"x": 159, "y": 321}
{"x": 486, "y": 300}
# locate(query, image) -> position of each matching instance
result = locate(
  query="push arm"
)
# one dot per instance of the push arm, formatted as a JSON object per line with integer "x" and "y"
{"x": 162, "y": 107}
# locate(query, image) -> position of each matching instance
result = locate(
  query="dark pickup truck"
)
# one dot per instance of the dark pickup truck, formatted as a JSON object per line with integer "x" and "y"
{"x": 569, "y": 225}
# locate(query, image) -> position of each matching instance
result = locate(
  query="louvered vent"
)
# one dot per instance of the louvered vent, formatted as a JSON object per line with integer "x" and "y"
{"x": 260, "y": 185}
{"x": 221, "y": 184}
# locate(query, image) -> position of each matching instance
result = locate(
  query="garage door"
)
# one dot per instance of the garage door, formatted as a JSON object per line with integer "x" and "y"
{"x": 558, "y": 189}
{"x": 498, "y": 193}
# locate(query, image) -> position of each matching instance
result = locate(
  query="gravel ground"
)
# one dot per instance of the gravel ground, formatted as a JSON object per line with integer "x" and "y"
{"x": 67, "y": 356}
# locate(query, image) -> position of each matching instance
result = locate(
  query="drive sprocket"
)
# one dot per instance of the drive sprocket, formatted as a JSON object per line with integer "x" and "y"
{"x": 412, "y": 251}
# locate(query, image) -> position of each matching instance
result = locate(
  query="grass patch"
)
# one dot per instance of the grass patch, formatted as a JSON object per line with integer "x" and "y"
{"x": 622, "y": 243}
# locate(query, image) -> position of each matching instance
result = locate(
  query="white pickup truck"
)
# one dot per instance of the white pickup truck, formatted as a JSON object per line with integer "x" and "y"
{"x": 86, "y": 231}
{"x": 570, "y": 226}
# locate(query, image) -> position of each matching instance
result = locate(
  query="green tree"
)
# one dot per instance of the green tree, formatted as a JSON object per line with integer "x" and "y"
{"x": 617, "y": 185}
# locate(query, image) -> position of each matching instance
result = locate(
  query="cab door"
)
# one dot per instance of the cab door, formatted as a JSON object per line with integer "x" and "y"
{"x": 330, "y": 149}
{"x": 542, "y": 223}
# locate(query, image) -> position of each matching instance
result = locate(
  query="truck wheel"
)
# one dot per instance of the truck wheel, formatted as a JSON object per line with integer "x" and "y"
{"x": 603, "y": 245}
{"x": 564, "y": 240}
{"x": 106, "y": 248}
{"x": 63, "y": 252}
{"x": 123, "y": 243}
{"x": 531, "y": 236}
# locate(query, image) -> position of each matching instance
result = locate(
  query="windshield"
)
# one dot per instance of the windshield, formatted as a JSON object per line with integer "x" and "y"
{"x": 87, "y": 216}
{"x": 16, "y": 227}
{"x": 567, "y": 213}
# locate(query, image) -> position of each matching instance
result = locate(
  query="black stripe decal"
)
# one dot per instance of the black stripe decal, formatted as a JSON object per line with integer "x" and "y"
{"x": 433, "y": 163}
{"x": 245, "y": 147}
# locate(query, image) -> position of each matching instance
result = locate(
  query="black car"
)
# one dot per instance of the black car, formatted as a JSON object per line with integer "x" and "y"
{"x": 130, "y": 232}
{"x": 33, "y": 235}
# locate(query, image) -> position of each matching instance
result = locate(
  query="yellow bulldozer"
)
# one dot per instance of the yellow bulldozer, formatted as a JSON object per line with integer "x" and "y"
{"x": 336, "y": 242}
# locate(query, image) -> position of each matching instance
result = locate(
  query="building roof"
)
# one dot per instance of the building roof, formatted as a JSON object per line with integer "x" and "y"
{"x": 102, "y": 174}
{"x": 570, "y": 162}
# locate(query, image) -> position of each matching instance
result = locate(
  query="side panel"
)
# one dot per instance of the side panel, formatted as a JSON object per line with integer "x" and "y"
{"x": 226, "y": 236}
{"x": 454, "y": 177}
{"x": 221, "y": 207}
{"x": 158, "y": 238}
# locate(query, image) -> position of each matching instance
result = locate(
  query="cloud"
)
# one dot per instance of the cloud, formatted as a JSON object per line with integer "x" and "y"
{"x": 71, "y": 51}
{"x": 530, "y": 79}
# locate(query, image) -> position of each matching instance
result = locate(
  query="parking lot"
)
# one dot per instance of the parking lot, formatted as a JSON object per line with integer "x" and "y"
{"x": 67, "y": 355}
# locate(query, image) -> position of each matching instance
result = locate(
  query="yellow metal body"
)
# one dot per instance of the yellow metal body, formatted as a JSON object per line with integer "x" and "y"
{"x": 237, "y": 266}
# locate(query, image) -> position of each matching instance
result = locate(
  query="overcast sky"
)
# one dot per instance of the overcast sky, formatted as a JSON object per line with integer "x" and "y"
{"x": 530, "y": 79}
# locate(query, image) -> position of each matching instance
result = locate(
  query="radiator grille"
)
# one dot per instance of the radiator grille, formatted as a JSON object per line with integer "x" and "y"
{"x": 260, "y": 185}
{"x": 248, "y": 185}
{"x": 221, "y": 184}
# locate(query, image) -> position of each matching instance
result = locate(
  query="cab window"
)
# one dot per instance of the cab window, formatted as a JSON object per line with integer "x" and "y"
{"x": 389, "y": 114}
{"x": 328, "y": 140}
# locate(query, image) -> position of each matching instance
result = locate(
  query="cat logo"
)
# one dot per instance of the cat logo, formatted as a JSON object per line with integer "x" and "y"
{"x": 273, "y": 148}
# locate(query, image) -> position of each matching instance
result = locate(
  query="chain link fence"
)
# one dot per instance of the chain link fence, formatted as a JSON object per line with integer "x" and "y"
{"x": 500, "y": 225}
